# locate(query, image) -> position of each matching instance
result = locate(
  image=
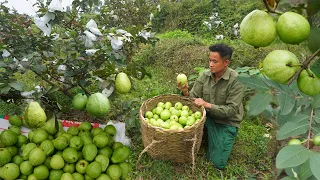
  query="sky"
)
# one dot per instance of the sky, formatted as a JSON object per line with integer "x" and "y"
{"x": 25, "y": 6}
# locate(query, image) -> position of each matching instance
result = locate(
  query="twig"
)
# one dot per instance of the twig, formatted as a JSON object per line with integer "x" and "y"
{"x": 84, "y": 89}
{"x": 309, "y": 134}
{"x": 51, "y": 83}
{"x": 304, "y": 65}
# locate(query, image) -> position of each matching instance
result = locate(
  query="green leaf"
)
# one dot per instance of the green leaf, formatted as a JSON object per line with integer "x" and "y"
{"x": 254, "y": 82}
{"x": 315, "y": 164}
{"x": 5, "y": 90}
{"x": 315, "y": 67}
{"x": 258, "y": 103}
{"x": 289, "y": 178}
{"x": 305, "y": 171}
{"x": 315, "y": 101}
{"x": 286, "y": 103}
{"x": 17, "y": 85}
{"x": 292, "y": 129}
{"x": 291, "y": 156}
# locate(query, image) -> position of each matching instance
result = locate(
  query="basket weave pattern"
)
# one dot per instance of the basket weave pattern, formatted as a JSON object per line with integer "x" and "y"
{"x": 175, "y": 145}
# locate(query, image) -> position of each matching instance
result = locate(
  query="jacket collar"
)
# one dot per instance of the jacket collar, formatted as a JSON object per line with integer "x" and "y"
{"x": 225, "y": 76}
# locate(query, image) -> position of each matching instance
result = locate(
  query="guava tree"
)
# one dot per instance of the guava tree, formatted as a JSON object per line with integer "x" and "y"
{"x": 81, "y": 46}
{"x": 286, "y": 89}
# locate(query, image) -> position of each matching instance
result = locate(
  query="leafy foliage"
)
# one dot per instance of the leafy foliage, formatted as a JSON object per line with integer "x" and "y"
{"x": 74, "y": 55}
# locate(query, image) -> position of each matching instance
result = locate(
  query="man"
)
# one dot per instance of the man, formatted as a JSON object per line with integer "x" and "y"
{"x": 221, "y": 94}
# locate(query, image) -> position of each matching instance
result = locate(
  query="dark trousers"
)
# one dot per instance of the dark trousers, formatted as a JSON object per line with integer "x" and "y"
{"x": 220, "y": 138}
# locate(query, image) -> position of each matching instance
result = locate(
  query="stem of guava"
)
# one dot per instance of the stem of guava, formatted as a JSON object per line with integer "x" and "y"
{"x": 304, "y": 65}
{"x": 310, "y": 73}
{"x": 293, "y": 65}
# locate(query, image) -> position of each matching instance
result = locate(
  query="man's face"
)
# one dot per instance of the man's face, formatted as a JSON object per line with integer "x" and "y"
{"x": 216, "y": 62}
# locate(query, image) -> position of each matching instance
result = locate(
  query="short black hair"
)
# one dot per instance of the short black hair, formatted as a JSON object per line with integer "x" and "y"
{"x": 224, "y": 51}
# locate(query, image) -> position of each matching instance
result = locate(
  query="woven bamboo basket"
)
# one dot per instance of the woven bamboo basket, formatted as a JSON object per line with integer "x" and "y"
{"x": 179, "y": 146}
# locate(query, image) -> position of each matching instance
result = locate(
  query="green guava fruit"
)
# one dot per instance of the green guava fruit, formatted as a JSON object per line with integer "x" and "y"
{"x": 15, "y": 129}
{"x": 34, "y": 115}
{"x": 48, "y": 147}
{"x": 47, "y": 163}
{"x": 13, "y": 150}
{"x": 39, "y": 135}
{"x": 77, "y": 176}
{"x": 10, "y": 171}
{"x": 69, "y": 168}
{"x": 5, "y": 156}
{"x": 73, "y": 130}
{"x": 17, "y": 159}
{"x": 26, "y": 168}
{"x": 106, "y": 151}
{"x": 70, "y": 155}
{"x": 8, "y": 138}
{"x": 126, "y": 167}
{"x": 292, "y": 28}
{"x": 120, "y": 154}
{"x": 94, "y": 169}
{"x": 85, "y": 126}
{"x": 86, "y": 139}
{"x": 55, "y": 174}
{"x": 79, "y": 101}
{"x": 41, "y": 172}
{"x": 114, "y": 171}
{"x": 116, "y": 144}
{"x": 37, "y": 156}
{"x": 60, "y": 143}
{"x": 67, "y": 135}
{"x": 32, "y": 177}
{"x": 98, "y": 105}
{"x": 30, "y": 134}
{"x": 96, "y": 131}
{"x": 50, "y": 126}
{"x": 22, "y": 177}
{"x": 15, "y": 120}
{"x": 57, "y": 162}
{"x": 22, "y": 139}
{"x": 103, "y": 177}
{"x": 314, "y": 40}
{"x": 280, "y": 65}
{"x": 100, "y": 140}
{"x": 27, "y": 149}
{"x": 67, "y": 176}
{"x": 86, "y": 177}
{"x": 111, "y": 141}
{"x": 122, "y": 83}
{"x": 258, "y": 29}
{"x": 103, "y": 160}
{"x": 76, "y": 142}
{"x": 89, "y": 152}
{"x": 110, "y": 130}
{"x": 308, "y": 83}
{"x": 81, "y": 166}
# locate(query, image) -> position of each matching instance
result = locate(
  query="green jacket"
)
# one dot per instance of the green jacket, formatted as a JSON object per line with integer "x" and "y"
{"x": 225, "y": 96}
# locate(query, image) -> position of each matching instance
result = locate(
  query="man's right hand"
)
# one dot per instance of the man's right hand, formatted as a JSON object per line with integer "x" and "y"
{"x": 183, "y": 88}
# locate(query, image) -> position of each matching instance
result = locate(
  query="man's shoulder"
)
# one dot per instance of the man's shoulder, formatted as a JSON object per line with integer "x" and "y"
{"x": 233, "y": 73}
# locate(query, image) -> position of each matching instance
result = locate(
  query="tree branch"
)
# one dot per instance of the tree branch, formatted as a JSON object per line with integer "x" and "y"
{"x": 310, "y": 124}
{"x": 304, "y": 65}
{"x": 51, "y": 83}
